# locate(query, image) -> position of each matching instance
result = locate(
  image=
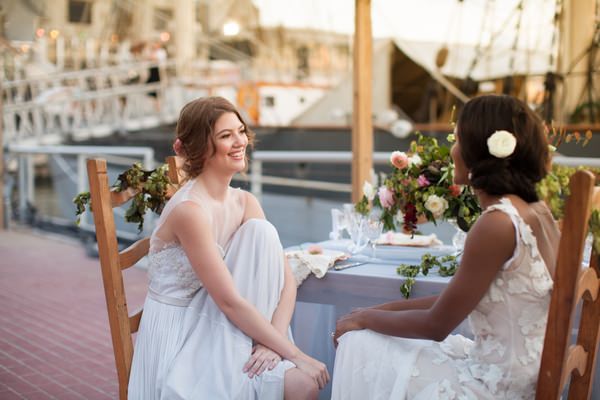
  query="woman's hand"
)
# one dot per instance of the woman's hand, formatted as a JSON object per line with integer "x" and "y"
{"x": 262, "y": 358}
{"x": 347, "y": 323}
{"x": 313, "y": 368}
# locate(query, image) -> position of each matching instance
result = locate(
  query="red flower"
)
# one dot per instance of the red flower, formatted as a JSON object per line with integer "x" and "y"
{"x": 454, "y": 190}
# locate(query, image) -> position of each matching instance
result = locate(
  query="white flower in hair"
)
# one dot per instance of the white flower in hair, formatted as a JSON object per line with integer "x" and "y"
{"x": 502, "y": 144}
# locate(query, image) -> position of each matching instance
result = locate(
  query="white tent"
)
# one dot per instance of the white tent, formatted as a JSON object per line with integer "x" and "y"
{"x": 485, "y": 39}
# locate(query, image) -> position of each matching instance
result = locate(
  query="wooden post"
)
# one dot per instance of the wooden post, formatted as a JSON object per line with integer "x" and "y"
{"x": 362, "y": 127}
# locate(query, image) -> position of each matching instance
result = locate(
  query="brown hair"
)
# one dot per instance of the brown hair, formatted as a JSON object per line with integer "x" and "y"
{"x": 517, "y": 173}
{"x": 195, "y": 130}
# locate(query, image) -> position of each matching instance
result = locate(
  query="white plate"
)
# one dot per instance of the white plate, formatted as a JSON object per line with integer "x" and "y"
{"x": 402, "y": 253}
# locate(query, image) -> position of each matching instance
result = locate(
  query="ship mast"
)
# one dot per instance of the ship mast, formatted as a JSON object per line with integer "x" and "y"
{"x": 577, "y": 30}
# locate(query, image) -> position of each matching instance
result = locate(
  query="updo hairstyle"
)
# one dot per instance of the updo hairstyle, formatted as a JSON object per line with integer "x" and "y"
{"x": 519, "y": 172}
{"x": 195, "y": 130}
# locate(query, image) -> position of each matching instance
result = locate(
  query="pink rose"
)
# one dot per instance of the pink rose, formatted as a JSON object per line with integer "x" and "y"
{"x": 422, "y": 181}
{"x": 399, "y": 159}
{"x": 386, "y": 197}
{"x": 454, "y": 190}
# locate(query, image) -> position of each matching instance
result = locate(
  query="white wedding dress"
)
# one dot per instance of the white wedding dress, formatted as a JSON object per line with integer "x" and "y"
{"x": 502, "y": 361}
{"x": 186, "y": 348}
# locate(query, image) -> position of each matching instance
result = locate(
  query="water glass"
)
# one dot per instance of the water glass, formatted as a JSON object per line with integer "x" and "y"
{"x": 356, "y": 229}
{"x": 373, "y": 230}
{"x": 338, "y": 224}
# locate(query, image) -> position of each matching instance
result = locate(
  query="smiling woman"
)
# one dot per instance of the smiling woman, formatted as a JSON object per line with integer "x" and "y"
{"x": 221, "y": 293}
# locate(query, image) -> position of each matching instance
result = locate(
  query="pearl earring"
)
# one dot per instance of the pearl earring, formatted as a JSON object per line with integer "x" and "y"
{"x": 469, "y": 176}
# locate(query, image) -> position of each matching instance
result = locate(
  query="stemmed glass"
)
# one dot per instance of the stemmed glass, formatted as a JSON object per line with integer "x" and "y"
{"x": 338, "y": 224}
{"x": 458, "y": 240}
{"x": 373, "y": 230}
{"x": 355, "y": 224}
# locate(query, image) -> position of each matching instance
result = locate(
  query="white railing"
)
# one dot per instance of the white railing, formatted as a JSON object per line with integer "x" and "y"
{"x": 122, "y": 156}
{"x": 125, "y": 156}
{"x": 257, "y": 179}
{"x": 87, "y": 103}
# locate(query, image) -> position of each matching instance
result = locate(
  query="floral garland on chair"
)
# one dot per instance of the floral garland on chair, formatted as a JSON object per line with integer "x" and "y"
{"x": 153, "y": 186}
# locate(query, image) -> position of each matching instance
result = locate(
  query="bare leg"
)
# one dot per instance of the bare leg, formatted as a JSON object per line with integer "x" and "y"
{"x": 299, "y": 386}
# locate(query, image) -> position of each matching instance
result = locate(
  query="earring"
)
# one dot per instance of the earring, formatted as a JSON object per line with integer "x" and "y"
{"x": 469, "y": 176}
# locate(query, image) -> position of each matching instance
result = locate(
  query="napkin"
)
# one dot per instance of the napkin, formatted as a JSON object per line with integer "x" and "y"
{"x": 303, "y": 263}
{"x": 402, "y": 239}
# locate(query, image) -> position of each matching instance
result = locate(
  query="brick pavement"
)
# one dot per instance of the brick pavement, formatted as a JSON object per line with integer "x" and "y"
{"x": 54, "y": 336}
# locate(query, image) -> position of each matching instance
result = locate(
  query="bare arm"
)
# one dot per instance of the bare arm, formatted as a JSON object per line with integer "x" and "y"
{"x": 190, "y": 228}
{"x": 489, "y": 245}
{"x": 419, "y": 303}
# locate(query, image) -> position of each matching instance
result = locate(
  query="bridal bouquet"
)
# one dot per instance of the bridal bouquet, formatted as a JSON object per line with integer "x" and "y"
{"x": 420, "y": 187}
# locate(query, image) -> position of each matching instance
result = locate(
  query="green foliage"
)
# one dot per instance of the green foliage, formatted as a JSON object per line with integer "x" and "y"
{"x": 153, "y": 186}
{"x": 446, "y": 266}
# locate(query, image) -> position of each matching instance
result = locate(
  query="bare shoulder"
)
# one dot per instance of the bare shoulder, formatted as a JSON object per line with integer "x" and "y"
{"x": 493, "y": 233}
{"x": 253, "y": 208}
{"x": 186, "y": 212}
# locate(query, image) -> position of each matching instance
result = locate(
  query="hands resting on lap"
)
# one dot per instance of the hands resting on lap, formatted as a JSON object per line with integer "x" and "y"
{"x": 263, "y": 358}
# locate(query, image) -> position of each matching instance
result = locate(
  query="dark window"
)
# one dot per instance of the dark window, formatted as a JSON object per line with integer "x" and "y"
{"x": 80, "y": 12}
{"x": 269, "y": 101}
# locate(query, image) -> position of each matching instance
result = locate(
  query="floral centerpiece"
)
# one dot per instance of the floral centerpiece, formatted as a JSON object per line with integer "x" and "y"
{"x": 420, "y": 187}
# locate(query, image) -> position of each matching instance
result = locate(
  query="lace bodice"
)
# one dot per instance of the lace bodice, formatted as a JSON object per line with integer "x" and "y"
{"x": 172, "y": 278}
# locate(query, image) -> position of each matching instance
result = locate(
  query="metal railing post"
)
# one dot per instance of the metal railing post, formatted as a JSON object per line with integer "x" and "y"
{"x": 30, "y": 179}
{"x": 256, "y": 179}
{"x": 22, "y": 187}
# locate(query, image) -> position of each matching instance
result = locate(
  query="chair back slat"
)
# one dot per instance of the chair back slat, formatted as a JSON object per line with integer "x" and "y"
{"x": 587, "y": 285}
{"x": 131, "y": 255}
{"x": 114, "y": 291}
{"x": 120, "y": 198}
{"x": 176, "y": 174}
{"x": 558, "y": 359}
{"x": 576, "y": 362}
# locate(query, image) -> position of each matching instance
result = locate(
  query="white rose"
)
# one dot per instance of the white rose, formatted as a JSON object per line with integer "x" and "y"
{"x": 436, "y": 205}
{"x": 369, "y": 191}
{"x": 501, "y": 144}
{"x": 414, "y": 160}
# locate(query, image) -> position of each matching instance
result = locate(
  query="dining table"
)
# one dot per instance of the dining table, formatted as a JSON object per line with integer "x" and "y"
{"x": 372, "y": 280}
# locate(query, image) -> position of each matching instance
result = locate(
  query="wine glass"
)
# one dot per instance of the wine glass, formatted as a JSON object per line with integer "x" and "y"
{"x": 458, "y": 240}
{"x": 373, "y": 230}
{"x": 338, "y": 224}
{"x": 356, "y": 229}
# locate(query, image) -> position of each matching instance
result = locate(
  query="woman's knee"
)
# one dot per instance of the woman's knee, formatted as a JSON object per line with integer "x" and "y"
{"x": 299, "y": 386}
{"x": 259, "y": 229}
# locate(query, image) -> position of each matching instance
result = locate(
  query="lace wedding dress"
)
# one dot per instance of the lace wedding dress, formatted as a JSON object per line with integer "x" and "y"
{"x": 502, "y": 361}
{"x": 186, "y": 348}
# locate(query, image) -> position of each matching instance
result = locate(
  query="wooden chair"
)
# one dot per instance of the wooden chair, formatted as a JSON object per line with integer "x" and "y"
{"x": 562, "y": 360}
{"x": 113, "y": 262}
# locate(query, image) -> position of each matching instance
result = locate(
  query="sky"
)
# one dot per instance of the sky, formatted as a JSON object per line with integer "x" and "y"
{"x": 488, "y": 27}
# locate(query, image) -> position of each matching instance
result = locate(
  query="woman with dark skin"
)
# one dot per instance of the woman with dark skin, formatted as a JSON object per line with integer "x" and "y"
{"x": 404, "y": 349}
